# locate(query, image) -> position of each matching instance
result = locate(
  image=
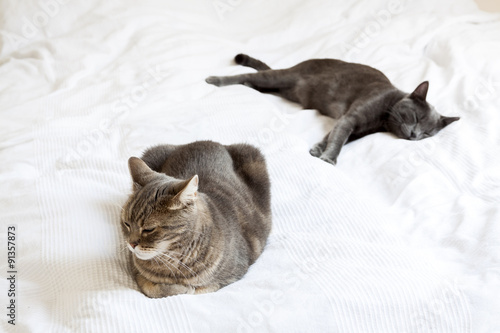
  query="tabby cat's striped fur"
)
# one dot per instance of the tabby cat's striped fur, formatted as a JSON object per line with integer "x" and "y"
{"x": 198, "y": 217}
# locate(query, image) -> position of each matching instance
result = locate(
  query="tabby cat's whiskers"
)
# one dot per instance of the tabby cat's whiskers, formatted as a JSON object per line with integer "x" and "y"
{"x": 159, "y": 262}
{"x": 181, "y": 264}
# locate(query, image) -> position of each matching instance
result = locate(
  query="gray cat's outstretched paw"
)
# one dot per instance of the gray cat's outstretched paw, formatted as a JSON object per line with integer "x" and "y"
{"x": 316, "y": 150}
{"x": 328, "y": 160}
{"x": 215, "y": 80}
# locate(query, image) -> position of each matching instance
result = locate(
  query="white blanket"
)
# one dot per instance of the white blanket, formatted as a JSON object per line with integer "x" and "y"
{"x": 399, "y": 237}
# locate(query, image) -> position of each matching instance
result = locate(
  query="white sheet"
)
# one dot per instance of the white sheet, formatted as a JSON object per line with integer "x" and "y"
{"x": 398, "y": 237}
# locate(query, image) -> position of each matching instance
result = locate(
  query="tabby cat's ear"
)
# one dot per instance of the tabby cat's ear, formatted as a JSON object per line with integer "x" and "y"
{"x": 421, "y": 91}
{"x": 140, "y": 172}
{"x": 187, "y": 195}
{"x": 445, "y": 121}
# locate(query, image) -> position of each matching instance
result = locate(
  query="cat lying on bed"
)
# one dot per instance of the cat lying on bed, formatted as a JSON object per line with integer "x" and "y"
{"x": 362, "y": 99}
{"x": 198, "y": 217}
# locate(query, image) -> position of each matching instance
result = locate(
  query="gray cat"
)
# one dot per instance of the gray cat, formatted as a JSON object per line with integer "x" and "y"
{"x": 361, "y": 97}
{"x": 198, "y": 217}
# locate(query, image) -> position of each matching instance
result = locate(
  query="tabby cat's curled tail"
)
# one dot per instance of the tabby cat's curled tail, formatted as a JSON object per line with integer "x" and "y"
{"x": 246, "y": 60}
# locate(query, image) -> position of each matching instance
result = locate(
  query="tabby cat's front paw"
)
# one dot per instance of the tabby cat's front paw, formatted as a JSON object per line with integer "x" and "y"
{"x": 159, "y": 290}
{"x": 215, "y": 80}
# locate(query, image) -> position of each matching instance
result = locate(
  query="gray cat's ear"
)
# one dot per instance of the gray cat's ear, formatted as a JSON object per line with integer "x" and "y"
{"x": 140, "y": 172}
{"x": 421, "y": 91}
{"x": 445, "y": 121}
{"x": 187, "y": 195}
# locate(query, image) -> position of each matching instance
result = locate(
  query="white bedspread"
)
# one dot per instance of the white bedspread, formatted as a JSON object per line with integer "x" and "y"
{"x": 399, "y": 237}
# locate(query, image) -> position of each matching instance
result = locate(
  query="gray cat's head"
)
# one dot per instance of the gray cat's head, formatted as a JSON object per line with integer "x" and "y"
{"x": 412, "y": 118}
{"x": 159, "y": 212}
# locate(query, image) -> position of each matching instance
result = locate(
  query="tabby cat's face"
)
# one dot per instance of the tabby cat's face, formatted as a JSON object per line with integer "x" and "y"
{"x": 151, "y": 232}
{"x": 159, "y": 213}
{"x": 412, "y": 118}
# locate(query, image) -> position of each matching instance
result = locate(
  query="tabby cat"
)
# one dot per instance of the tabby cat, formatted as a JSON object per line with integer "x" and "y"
{"x": 361, "y": 97}
{"x": 198, "y": 217}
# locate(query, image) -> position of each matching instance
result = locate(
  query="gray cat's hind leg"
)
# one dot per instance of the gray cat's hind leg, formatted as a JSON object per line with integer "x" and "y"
{"x": 263, "y": 80}
{"x": 221, "y": 81}
{"x": 244, "y": 60}
{"x": 216, "y": 81}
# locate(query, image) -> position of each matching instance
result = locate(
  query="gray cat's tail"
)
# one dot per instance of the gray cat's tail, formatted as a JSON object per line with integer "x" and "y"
{"x": 245, "y": 60}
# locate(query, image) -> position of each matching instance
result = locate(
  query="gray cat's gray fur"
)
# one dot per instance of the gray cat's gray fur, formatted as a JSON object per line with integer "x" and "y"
{"x": 198, "y": 217}
{"x": 361, "y": 97}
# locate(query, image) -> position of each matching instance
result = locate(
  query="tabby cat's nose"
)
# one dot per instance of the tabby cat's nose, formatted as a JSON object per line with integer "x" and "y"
{"x": 133, "y": 245}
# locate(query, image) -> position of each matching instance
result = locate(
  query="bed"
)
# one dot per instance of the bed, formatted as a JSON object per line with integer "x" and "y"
{"x": 399, "y": 236}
